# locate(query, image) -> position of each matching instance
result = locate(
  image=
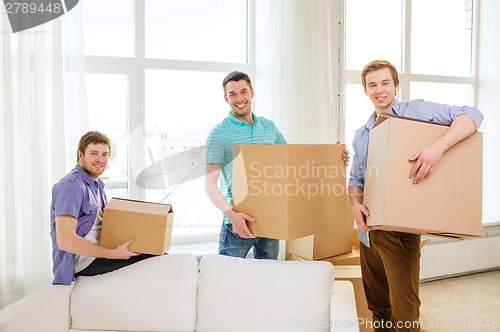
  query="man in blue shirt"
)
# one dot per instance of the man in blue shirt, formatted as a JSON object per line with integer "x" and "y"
{"x": 390, "y": 261}
{"x": 76, "y": 211}
{"x": 240, "y": 127}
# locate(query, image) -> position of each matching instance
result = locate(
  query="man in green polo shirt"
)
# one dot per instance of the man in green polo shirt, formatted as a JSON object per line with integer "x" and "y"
{"x": 240, "y": 127}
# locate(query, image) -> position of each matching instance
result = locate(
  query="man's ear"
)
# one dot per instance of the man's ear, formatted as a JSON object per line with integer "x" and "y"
{"x": 226, "y": 99}
{"x": 80, "y": 155}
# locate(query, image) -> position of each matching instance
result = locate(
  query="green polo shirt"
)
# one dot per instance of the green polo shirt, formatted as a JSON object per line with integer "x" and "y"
{"x": 233, "y": 131}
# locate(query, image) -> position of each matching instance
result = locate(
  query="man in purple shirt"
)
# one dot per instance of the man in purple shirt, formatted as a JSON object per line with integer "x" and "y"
{"x": 76, "y": 211}
{"x": 390, "y": 261}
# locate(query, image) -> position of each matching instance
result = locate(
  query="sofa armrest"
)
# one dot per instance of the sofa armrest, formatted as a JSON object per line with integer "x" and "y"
{"x": 343, "y": 314}
{"x": 44, "y": 310}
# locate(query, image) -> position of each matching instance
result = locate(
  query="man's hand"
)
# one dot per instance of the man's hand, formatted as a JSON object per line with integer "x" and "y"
{"x": 345, "y": 156}
{"x": 239, "y": 221}
{"x": 360, "y": 212}
{"x": 122, "y": 252}
{"x": 426, "y": 161}
{"x": 69, "y": 241}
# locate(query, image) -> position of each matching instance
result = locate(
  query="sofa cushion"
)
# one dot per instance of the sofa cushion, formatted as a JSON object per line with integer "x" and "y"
{"x": 251, "y": 295}
{"x": 156, "y": 294}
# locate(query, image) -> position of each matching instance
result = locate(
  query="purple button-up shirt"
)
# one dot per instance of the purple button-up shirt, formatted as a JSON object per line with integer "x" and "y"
{"x": 76, "y": 195}
{"x": 416, "y": 109}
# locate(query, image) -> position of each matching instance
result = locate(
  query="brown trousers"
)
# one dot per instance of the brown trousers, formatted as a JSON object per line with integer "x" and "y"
{"x": 391, "y": 278}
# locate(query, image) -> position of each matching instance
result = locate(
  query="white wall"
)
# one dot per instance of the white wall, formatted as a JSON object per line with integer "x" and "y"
{"x": 489, "y": 103}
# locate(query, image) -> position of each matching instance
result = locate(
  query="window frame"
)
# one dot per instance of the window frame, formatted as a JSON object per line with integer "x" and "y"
{"x": 135, "y": 69}
{"x": 405, "y": 76}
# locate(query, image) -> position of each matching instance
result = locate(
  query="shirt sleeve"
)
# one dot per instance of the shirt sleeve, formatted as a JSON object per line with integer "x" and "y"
{"x": 279, "y": 138}
{"x": 441, "y": 113}
{"x": 215, "y": 148}
{"x": 67, "y": 199}
{"x": 357, "y": 177}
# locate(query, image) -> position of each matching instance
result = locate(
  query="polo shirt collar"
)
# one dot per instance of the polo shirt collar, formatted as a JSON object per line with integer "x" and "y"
{"x": 238, "y": 122}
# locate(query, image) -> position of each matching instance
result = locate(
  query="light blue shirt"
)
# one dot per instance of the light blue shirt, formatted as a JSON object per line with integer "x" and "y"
{"x": 234, "y": 131}
{"x": 416, "y": 109}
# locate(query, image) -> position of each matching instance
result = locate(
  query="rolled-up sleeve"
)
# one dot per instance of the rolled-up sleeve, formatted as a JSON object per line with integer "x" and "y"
{"x": 472, "y": 113}
{"x": 438, "y": 113}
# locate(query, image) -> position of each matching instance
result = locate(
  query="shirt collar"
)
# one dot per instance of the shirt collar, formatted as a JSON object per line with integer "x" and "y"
{"x": 395, "y": 107}
{"x": 87, "y": 178}
{"x": 238, "y": 122}
{"x": 371, "y": 121}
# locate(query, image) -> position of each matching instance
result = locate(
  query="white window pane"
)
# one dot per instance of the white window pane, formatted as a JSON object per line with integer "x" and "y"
{"x": 441, "y": 37}
{"x": 107, "y": 100}
{"x": 444, "y": 93}
{"x": 199, "y": 30}
{"x": 373, "y": 31}
{"x": 109, "y": 27}
{"x": 181, "y": 109}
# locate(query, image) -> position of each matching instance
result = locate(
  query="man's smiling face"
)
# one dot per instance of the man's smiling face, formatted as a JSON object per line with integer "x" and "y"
{"x": 239, "y": 97}
{"x": 381, "y": 90}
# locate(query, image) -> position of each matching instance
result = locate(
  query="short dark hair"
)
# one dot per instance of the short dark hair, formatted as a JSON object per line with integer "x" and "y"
{"x": 236, "y": 76}
{"x": 376, "y": 65}
{"x": 92, "y": 137}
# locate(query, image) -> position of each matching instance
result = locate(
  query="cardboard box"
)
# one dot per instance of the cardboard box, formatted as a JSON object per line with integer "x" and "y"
{"x": 292, "y": 190}
{"x": 336, "y": 240}
{"x": 350, "y": 258}
{"x": 352, "y": 273}
{"x": 447, "y": 203}
{"x": 353, "y": 257}
{"x": 355, "y": 238}
{"x": 149, "y": 223}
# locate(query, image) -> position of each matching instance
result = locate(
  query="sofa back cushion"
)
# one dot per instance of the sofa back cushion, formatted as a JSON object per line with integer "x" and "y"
{"x": 251, "y": 295}
{"x": 156, "y": 294}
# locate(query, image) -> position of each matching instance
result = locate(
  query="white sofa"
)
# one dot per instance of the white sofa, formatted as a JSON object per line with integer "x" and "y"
{"x": 175, "y": 293}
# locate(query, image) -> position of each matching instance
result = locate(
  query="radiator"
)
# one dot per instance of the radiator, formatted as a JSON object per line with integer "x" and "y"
{"x": 442, "y": 259}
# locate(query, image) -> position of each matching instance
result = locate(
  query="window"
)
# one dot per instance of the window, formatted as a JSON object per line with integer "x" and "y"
{"x": 154, "y": 86}
{"x": 433, "y": 52}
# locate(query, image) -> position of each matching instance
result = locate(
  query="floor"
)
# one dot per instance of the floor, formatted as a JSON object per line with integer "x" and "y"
{"x": 462, "y": 304}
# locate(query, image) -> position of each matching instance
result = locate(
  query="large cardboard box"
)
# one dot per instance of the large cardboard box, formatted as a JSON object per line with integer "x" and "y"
{"x": 352, "y": 273}
{"x": 292, "y": 190}
{"x": 335, "y": 240}
{"x": 149, "y": 223}
{"x": 447, "y": 203}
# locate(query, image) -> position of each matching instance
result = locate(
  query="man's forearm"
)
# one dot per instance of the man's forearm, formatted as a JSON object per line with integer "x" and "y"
{"x": 216, "y": 197}
{"x": 461, "y": 128}
{"x": 356, "y": 195}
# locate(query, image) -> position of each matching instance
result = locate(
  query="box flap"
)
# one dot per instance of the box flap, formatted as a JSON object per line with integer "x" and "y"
{"x": 139, "y": 206}
{"x": 385, "y": 116}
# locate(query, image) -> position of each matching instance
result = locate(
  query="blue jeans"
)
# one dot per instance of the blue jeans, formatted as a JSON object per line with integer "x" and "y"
{"x": 231, "y": 244}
